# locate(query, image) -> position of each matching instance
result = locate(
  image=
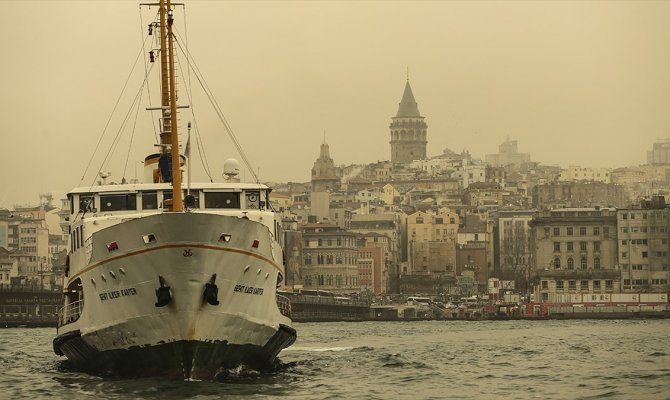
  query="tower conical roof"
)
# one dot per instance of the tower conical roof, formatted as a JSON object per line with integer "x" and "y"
{"x": 408, "y": 106}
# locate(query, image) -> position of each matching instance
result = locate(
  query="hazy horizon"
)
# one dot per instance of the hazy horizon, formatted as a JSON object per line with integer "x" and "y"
{"x": 575, "y": 83}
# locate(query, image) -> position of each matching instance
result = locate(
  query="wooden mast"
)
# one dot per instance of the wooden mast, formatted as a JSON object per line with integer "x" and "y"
{"x": 169, "y": 135}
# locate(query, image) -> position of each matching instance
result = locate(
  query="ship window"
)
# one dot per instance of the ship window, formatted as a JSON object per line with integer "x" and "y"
{"x": 86, "y": 203}
{"x": 253, "y": 199}
{"x": 196, "y": 199}
{"x": 222, "y": 200}
{"x": 150, "y": 200}
{"x": 118, "y": 202}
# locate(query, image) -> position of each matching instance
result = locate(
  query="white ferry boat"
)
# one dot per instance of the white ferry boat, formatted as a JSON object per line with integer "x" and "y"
{"x": 167, "y": 281}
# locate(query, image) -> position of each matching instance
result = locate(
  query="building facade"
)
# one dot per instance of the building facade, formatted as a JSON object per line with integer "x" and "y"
{"x": 575, "y": 251}
{"x": 644, "y": 247}
{"x": 329, "y": 258}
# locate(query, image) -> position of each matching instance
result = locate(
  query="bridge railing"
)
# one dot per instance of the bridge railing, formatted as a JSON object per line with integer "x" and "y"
{"x": 70, "y": 313}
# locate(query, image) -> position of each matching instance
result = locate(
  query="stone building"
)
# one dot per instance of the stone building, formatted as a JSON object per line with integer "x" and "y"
{"x": 408, "y": 131}
{"x": 574, "y": 251}
{"x": 329, "y": 258}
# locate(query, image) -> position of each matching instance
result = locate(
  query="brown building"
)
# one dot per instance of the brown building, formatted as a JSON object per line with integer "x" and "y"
{"x": 371, "y": 269}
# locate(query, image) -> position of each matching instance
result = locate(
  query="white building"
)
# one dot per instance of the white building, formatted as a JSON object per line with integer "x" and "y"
{"x": 576, "y": 173}
{"x": 469, "y": 173}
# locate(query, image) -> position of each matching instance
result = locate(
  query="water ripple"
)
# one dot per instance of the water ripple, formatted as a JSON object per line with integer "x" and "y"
{"x": 422, "y": 360}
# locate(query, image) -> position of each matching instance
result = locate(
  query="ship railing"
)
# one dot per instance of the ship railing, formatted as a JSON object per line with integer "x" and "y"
{"x": 284, "y": 305}
{"x": 70, "y": 313}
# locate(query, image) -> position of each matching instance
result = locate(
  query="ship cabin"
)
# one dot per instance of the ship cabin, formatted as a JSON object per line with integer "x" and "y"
{"x": 154, "y": 198}
{"x": 97, "y": 207}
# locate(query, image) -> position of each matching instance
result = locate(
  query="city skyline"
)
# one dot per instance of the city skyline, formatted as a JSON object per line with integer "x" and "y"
{"x": 562, "y": 79}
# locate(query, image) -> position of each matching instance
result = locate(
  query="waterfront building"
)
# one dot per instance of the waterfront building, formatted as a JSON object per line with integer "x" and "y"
{"x": 389, "y": 224}
{"x": 381, "y": 271}
{"x": 574, "y": 251}
{"x": 408, "y": 131}
{"x": 431, "y": 240}
{"x": 576, "y": 173}
{"x": 644, "y": 246}
{"x": 513, "y": 246}
{"x": 371, "y": 269}
{"x": 28, "y": 242}
{"x": 474, "y": 253}
{"x": 293, "y": 244}
{"x": 9, "y": 267}
{"x": 507, "y": 154}
{"x": 329, "y": 258}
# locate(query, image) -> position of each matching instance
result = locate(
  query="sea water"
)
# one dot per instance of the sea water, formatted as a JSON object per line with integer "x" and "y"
{"x": 579, "y": 359}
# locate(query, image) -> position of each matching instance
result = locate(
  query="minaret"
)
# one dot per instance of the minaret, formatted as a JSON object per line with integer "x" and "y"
{"x": 408, "y": 131}
{"x": 324, "y": 174}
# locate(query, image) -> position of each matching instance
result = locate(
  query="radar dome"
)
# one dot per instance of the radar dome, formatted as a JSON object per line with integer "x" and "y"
{"x": 231, "y": 168}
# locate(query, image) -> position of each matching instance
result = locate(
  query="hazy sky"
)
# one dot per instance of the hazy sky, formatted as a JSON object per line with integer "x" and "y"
{"x": 576, "y": 83}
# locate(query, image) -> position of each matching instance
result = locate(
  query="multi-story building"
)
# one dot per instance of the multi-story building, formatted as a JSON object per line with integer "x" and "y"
{"x": 9, "y": 267}
{"x": 576, "y": 173}
{"x": 432, "y": 166}
{"x": 513, "y": 247}
{"x": 473, "y": 250}
{"x": 470, "y": 172}
{"x": 644, "y": 246}
{"x": 408, "y": 131}
{"x": 578, "y": 194}
{"x": 371, "y": 269}
{"x": 574, "y": 250}
{"x": 389, "y": 224}
{"x": 381, "y": 271}
{"x": 481, "y": 194}
{"x": 431, "y": 240}
{"x": 329, "y": 258}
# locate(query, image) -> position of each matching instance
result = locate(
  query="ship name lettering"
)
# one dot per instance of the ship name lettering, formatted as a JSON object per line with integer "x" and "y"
{"x": 241, "y": 288}
{"x": 115, "y": 294}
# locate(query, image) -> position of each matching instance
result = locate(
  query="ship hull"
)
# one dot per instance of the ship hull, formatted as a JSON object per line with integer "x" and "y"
{"x": 184, "y": 359}
{"x": 123, "y": 329}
